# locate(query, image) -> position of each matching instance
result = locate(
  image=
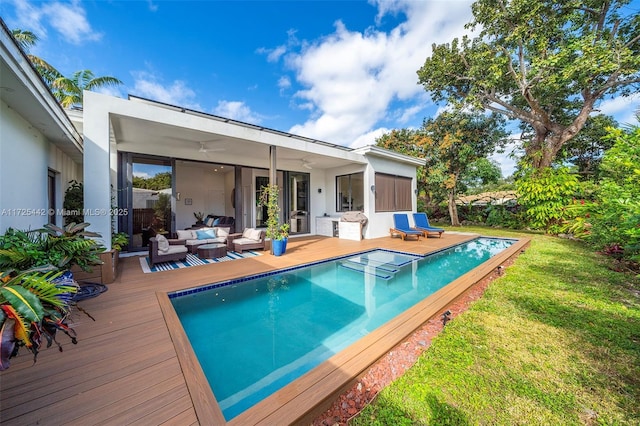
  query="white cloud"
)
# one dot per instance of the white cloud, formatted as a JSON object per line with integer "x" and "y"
{"x": 284, "y": 83}
{"x": 352, "y": 78}
{"x": 28, "y": 18}
{"x": 369, "y": 138}
{"x": 237, "y": 110}
{"x": 622, "y": 109}
{"x": 177, "y": 93}
{"x": 143, "y": 175}
{"x": 69, "y": 19}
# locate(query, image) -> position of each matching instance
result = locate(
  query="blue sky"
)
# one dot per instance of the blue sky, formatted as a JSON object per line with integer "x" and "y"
{"x": 339, "y": 71}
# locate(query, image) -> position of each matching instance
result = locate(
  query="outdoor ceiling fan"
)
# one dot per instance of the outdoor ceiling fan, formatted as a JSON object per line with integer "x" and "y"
{"x": 203, "y": 149}
{"x": 307, "y": 164}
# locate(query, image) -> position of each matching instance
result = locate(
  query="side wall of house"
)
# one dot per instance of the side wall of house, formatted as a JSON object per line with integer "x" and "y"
{"x": 379, "y": 223}
{"x": 25, "y": 160}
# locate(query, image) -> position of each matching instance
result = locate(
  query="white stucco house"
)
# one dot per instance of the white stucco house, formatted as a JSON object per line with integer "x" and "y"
{"x": 216, "y": 165}
{"x": 40, "y": 149}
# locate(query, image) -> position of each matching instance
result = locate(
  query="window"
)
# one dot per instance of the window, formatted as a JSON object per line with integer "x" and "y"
{"x": 393, "y": 193}
{"x": 350, "y": 192}
{"x": 51, "y": 204}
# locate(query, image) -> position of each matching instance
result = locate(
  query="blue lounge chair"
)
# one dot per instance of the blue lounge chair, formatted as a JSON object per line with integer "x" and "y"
{"x": 402, "y": 228}
{"x": 422, "y": 224}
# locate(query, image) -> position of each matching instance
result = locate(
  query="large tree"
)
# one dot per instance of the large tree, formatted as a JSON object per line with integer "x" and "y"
{"x": 546, "y": 63}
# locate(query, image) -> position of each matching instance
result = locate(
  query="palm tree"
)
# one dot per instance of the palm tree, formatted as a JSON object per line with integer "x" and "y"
{"x": 68, "y": 91}
{"x": 26, "y": 40}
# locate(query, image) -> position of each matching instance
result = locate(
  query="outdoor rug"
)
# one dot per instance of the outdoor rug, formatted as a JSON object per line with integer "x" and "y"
{"x": 192, "y": 260}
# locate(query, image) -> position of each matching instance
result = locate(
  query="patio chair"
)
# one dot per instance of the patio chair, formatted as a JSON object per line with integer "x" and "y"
{"x": 401, "y": 227}
{"x": 422, "y": 224}
{"x": 162, "y": 250}
{"x": 251, "y": 239}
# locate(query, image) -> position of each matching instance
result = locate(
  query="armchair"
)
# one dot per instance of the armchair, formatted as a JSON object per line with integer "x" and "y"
{"x": 163, "y": 250}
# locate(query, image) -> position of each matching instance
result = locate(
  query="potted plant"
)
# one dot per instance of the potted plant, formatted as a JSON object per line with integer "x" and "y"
{"x": 199, "y": 217}
{"x": 278, "y": 233}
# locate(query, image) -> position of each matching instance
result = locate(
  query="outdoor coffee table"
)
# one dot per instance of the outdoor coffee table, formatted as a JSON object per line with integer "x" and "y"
{"x": 212, "y": 251}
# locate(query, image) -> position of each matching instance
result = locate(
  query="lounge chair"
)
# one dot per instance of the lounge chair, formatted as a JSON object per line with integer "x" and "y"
{"x": 422, "y": 224}
{"x": 402, "y": 228}
{"x": 163, "y": 250}
{"x": 250, "y": 239}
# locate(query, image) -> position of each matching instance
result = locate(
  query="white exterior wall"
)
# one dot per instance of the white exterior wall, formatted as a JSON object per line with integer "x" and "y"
{"x": 98, "y": 164}
{"x": 379, "y": 223}
{"x": 25, "y": 157}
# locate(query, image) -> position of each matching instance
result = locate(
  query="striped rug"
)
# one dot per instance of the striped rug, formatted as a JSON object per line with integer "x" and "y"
{"x": 192, "y": 260}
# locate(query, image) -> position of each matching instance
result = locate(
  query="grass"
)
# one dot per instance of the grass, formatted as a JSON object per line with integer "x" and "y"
{"x": 555, "y": 340}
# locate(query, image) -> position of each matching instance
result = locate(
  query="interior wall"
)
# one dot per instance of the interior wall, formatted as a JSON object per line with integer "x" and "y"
{"x": 202, "y": 189}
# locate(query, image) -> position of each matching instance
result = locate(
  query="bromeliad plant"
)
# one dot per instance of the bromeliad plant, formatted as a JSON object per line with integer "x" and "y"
{"x": 34, "y": 304}
{"x": 36, "y": 288}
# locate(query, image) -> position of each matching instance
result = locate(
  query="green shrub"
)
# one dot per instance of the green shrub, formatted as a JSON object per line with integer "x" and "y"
{"x": 544, "y": 195}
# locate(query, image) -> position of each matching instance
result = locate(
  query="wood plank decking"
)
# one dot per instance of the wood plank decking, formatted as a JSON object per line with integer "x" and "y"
{"x": 125, "y": 368}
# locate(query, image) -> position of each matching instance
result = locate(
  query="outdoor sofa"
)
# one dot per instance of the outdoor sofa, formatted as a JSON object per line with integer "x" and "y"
{"x": 192, "y": 238}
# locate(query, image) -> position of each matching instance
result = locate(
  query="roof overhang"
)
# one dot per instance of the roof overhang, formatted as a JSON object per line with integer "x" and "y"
{"x": 376, "y": 151}
{"x": 22, "y": 89}
{"x": 149, "y": 127}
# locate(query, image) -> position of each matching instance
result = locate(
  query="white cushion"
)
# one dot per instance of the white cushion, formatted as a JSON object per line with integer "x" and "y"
{"x": 176, "y": 249}
{"x": 222, "y": 232}
{"x": 247, "y": 232}
{"x": 186, "y": 234}
{"x": 255, "y": 234}
{"x": 242, "y": 241}
{"x": 163, "y": 243}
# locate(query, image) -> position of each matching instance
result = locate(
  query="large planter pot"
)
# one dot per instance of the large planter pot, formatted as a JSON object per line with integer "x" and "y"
{"x": 104, "y": 273}
{"x": 279, "y": 246}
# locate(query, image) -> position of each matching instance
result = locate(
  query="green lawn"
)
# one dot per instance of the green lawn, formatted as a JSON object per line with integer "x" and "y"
{"x": 554, "y": 341}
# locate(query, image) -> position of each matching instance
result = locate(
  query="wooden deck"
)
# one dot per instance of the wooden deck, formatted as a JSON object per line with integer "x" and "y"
{"x": 125, "y": 368}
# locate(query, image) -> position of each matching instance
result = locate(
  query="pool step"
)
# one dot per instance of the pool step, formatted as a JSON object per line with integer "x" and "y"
{"x": 380, "y": 270}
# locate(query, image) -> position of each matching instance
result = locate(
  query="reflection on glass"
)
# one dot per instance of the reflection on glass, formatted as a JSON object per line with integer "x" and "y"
{"x": 151, "y": 200}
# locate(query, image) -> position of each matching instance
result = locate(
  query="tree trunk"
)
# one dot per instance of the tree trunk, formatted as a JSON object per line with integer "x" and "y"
{"x": 453, "y": 209}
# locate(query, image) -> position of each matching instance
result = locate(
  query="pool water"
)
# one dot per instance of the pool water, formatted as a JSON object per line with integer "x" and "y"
{"x": 254, "y": 336}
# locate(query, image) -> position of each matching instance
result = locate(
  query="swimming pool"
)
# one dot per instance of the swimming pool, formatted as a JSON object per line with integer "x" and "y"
{"x": 254, "y": 335}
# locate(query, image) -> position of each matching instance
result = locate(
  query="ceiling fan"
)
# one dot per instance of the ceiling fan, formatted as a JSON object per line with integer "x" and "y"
{"x": 307, "y": 164}
{"x": 205, "y": 150}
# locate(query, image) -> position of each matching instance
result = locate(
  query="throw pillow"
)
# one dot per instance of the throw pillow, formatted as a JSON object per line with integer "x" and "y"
{"x": 206, "y": 234}
{"x": 222, "y": 232}
{"x": 209, "y": 221}
{"x": 216, "y": 222}
{"x": 163, "y": 243}
{"x": 185, "y": 235}
{"x": 247, "y": 232}
{"x": 255, "y": 234}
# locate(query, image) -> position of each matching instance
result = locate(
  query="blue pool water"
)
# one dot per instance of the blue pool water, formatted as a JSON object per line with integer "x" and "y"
{"x": 254, "y": 336}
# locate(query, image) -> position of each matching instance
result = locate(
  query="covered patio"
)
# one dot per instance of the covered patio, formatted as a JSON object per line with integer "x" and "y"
{"x": 126, "y": 369}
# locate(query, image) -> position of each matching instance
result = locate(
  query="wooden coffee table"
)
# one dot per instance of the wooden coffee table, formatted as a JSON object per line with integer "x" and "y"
{"x": 212, "y": 251}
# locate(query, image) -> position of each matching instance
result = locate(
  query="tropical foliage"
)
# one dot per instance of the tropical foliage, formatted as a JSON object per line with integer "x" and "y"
{"x": 34, "y": 305}
{"x": 611, "y": 220}
{"x": 67, "y": 90}
{"x": 156, "y": 182}
{"x": 542, "y": 62}
{"x": 269, "y": 197}
{"x": 36, "y": 289}
{"x": 544, "y": 195}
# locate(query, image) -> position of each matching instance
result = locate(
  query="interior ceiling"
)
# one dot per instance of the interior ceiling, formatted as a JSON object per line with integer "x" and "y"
{"x": 178, "y": 142}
